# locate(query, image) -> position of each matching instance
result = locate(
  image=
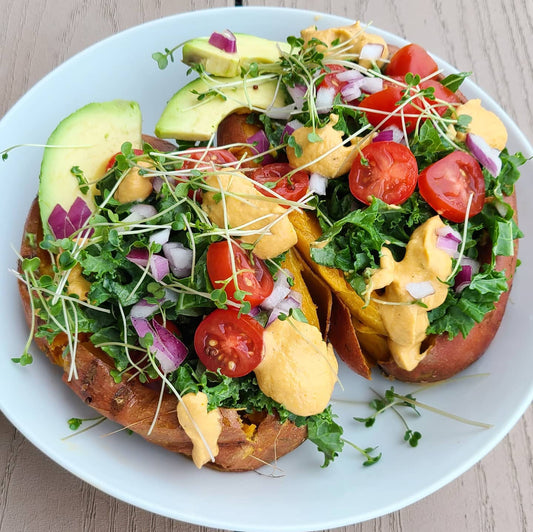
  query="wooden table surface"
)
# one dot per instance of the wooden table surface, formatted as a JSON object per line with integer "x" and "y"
{"x": 493, "y": 38}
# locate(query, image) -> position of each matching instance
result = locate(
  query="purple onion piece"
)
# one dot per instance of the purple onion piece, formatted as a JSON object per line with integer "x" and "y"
{"x": 159, "y": 267}
{"x": 318, "y": 184}
{"x": 261, "y": 142}
{"x": 79, "y": 213}
{"x": 139, "y": 256}
{"x": 420, "y": 290}
{"x": 179, "y": 258}
{"x": 371, "y": 51}
{"x": 59, "y": 222}
{"x": 463, "y": 278}
{"x": 297, "y": 93}
{"x": 63, "y": 224}
{"x": 324, "y": 99}
{"x": 279, "y": 292}
{"x": 224, "y": 41}
{"x": 371, "y": 85}
{"x": 160, "y": 237}
{"x": 290, "y": 128}
{"x": 486, "y": 155}
{"x": 447, "y": 244}
{"x": 143, "y": 210}
{"x": 292, "y": 301}
{"x": 143, "y": 309}
{"x": 384, "y": 136}
{"x": 351, "y": 91}
{"x": 349, "y": 75}
{"x": 170, "y": 351}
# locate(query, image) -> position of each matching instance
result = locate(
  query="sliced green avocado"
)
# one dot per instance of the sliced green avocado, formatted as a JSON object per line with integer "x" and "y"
{"x": 250, "y": 49}
{"x": 91, "y": 136}
{"x": 187, "y": 118}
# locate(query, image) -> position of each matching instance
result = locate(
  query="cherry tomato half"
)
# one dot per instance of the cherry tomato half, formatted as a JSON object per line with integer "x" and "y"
{"x": 411, "y": 58}
{"x": 199, "y": 159}
{"x": 447, "y": 185}
{"x": 390, "y": 173}
{"x": 252, "y": 278}
{"x": 380, "y": 104}
{"x": 274, "y": 175}
{"x": 330, "y": 78}
{"x": 113, "y": 159}
{"x": 233, "y": 344}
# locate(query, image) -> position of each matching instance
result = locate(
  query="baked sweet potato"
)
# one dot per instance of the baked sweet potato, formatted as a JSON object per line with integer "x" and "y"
{"x": 247, "y": 441}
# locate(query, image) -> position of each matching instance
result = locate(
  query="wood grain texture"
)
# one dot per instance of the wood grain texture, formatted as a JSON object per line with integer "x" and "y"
{"x": 490, "y": 37}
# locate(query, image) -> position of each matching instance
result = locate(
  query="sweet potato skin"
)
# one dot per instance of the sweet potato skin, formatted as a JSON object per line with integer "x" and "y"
{"x": 446, "y": 357}
{"x": 247, "y": 441}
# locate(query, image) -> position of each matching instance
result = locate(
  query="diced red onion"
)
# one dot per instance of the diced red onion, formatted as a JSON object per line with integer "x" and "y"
{"x": 420, "y": 290}
{"x": 486, "y": 155}
{"x": 448, "y": 240}
{"x": 170, "y": 295}
{"x": 224, "y": 41}
{"x": 144, "y": 210}
{"x": 447, "y": 244}
{"x": 281, "y": 113}
{"x": 463, "y": 278}
{"x": 139, "y": 256}
{"x": 297, "y": 94}
{"x": 159, "y": 267}
{"x": 391, "y": 133}
{"x": 349, "y": 75}
{"x": 160, "y": 237}
{"x": 371, "y": 85}
{"x": 261, "y": 145}
{"x": 179, "y": 259}
{"x": 79, "y": 213}
{"x": 371, "y": 51}
{"x": 290, "y": 128}
{"x": 59, "y": 223}
{"x": 143, "y": 309}
{"x": 351, "y": 91}
{"x": 169, "y": 350}
{"x": 383, "y": 136}
{"x": 280, "y": 291}
{"x": 450, "y": 233}
{"x": 324, "y": 99}
{"x": 318, "y": 184}
{"x": 254, "y": 311}
{"x": 292, "y": 301}
{"x": 63, "y": 224}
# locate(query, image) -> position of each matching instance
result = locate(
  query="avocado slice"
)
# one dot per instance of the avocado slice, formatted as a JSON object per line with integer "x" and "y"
{"x": 91, "y": 136}
{"x": 188, "y": 118}
{"x": 250, "y": 49}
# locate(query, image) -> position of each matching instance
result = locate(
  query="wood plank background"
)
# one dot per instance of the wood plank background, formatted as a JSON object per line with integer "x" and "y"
{"x": 491, "y": 37}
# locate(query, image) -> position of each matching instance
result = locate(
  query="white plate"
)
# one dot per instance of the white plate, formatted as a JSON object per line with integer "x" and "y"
{"x": 306, "y": 497}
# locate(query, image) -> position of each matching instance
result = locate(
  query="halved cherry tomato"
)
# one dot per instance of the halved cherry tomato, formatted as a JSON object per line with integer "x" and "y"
{"x": 113, "y": 159}
{"x": 330, "y": 78}
{"x": 233, "y": 344}
{"x": 200, "y": 159}
{"x": 389, "y": 173}
{"x": 447, "y": 185}
{"x": 275, "y": 177}
{"x": 380, "y": 104}
{"x": 411, "y": 58}
{"x": 252, "y": 278}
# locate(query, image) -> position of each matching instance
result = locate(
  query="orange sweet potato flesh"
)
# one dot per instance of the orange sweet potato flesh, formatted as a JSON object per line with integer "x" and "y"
{"x": 247, "y": 441}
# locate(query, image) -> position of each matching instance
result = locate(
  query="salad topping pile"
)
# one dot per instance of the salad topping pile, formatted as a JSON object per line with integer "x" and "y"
{"x": 185, "y": 266}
